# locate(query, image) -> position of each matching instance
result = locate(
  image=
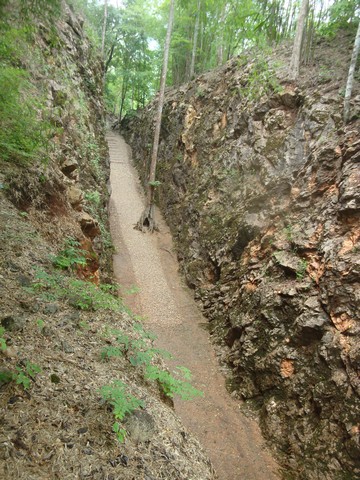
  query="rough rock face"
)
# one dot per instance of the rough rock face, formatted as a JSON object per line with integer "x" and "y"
{"x": 261, "y": 189}
{"x": 67, "y": 196}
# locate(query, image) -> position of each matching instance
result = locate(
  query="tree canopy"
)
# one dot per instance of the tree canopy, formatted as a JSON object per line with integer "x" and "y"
{"x": 206, "y": 34}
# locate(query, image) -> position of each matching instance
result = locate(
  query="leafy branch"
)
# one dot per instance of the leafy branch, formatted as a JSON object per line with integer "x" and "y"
{"x": 123, "y": 403}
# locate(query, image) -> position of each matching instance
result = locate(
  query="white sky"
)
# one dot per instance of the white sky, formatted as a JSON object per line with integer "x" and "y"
{"x": 116, "y": 3}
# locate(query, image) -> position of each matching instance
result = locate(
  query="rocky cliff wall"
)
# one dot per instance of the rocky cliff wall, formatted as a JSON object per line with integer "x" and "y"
{"x": 260, "y": 185}
{"x": 63, "y": 189}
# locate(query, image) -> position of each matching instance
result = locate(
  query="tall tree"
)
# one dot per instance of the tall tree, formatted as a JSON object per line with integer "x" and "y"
{"x": 194, "y": 46}
{"x": 104, "y": 29}
{"x": 350, "y": 79}
{"x": 147, "y": 220}
{"x": 299, "y": 35}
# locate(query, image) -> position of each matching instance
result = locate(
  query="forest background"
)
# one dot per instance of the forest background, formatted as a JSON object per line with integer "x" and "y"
{"x": 206, "y": 33}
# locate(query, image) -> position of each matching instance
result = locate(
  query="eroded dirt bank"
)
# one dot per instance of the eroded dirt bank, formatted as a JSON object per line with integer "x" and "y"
{"x": 232, "y": 441}
{"x": 57, "y": 316}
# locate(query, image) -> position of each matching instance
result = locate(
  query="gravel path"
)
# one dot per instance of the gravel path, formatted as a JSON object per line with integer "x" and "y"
{"x": 233, "y": 441}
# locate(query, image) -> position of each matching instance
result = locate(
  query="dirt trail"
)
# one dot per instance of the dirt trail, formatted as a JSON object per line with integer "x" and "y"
{"x": 233, "y": 441}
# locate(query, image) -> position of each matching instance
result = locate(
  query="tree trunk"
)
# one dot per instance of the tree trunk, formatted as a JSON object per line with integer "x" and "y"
{"x": 104, "y": 30}
{"x": 220, "y": 47}
{"x": 299, "y": 34}
{"x": 196, "y": 33}
{"x": 308, "y": 52}
{"x": 124, "y": 88}
{"x": 109, "y": 57}
{"x": 350, "y": 79}
{"x": 147, "y": 220}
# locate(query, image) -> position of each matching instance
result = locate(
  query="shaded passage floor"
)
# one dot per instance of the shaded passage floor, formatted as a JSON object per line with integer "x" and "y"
{"x": 233, "y": 441}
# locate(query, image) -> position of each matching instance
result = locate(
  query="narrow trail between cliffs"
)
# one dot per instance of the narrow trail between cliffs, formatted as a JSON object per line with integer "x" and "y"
{"x": 232, "y": 441}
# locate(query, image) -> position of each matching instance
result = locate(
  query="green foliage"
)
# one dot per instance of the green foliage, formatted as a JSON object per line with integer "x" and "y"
{"x": 23, "y": 134}
{"x": 87, "y": 296}
{"x": 138, "y": 327}
{"x": 40, "y": 8}
{"x": 110, "y": 351}
{"x": 301, "y": 270}
{"x": 340, "y": 14}
{"x": 135, "y": 36}
{"x": 79, "y": 293}
{"x": 5, "y": 376}
{"x": 40, "y": 323}
{"x": 48, "y": 284}
{"x": 71, "y": 256}
{"x": 261, "y": 80}
{"x": 172, "y": 385}
{"x": 143, "y": 355}
{"x": 93, "y": 197}
{"x": 136, "y": 348}
{"x": 155, "y": 183}
{"x": 24, "y": 374}
{"x": 84, "y": 325}
{"x": 123, "y": 404}
{"x": 24, "y": 128}
{"x": 2, "y": 339}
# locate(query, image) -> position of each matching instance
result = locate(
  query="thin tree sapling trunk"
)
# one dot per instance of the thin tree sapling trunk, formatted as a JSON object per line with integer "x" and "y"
{"x": 196, "y": 32}
{"x": 147, "y": 220}
{"x": 350, "y": 79}
{"x": 299, "y": 34}
{"x": 104, "y": 30}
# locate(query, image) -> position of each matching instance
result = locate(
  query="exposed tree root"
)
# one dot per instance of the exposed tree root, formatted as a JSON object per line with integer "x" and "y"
{"x": 147, "y": 221}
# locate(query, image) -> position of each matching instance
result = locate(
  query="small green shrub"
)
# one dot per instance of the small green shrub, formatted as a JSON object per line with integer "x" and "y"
{"x": 5, "y": 376}
{"x": 174, "y": 385}
{"x": 137, "y": 350}
{"x": 110, "y": 351}
{"x": 79, "y": 293}
{"x": 93, "y": 197}
{"x": 138, "y": 327}
{"x": 143, "y": 357}
{"x": 48, "y": 285}
{"x": 2, "y": 339}
{"x": 261, "y": 80}
{"x": 71, "y": 256}
{"x": 155, "y": 183}
{"x": 25, "y": 374}
{"x": 123, "y": 403}
{"x": 41, "y": 324}
{"x": 87, "y": 296}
